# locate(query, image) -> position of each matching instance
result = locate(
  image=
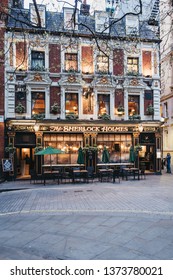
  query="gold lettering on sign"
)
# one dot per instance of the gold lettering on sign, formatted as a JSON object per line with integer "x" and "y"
{"x": 89, "y": 128}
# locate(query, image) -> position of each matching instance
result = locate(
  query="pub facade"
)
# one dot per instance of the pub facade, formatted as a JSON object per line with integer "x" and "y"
{"x": 66, "y": 90}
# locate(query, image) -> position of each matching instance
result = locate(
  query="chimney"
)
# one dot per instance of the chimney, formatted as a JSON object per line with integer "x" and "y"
{"x": 85, "y": 8}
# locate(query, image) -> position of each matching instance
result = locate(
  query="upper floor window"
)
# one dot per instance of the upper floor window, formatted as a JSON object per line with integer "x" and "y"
{"x": 102, "y": 63}
{"x": 71, "y": 103}
{"x": 37, "y": 60}
{"x": 34, "y": 17}
{"x": 133, "y": 105}
{"x": 70, "y": 18}
{"x": 166, "y": 110}
{"x": 103, "y": 103}
{"x": 132, "y": 25}
{"x": 132, "y": 65}
{"x": 102, "y": 22}
{"x": 38, "y": 103}
{"x": 71, "y": 62}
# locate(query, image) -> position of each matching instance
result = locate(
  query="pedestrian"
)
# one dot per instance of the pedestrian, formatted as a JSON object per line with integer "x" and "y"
{"x": 168, "y": 163}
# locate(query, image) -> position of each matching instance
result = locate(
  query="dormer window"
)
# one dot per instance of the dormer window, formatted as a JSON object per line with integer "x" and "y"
{"x": 69, "y": 21}
{"x": 33, "y": 15}
{"x": 132, "y": 25}
{"x": 101, "y": 22}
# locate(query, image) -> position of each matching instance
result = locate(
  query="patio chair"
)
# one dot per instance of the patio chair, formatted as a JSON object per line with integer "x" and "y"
{"x": 142, "y": 173}
{"x": 116, "y": 175}
{"x": 67, "y": 175}
{"x": 90, "y": 174}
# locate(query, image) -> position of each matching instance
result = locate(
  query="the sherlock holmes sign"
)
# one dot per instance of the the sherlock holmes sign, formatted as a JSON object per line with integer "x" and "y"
{"x": 7, "y": 165}
{"x": 89, "y": 128}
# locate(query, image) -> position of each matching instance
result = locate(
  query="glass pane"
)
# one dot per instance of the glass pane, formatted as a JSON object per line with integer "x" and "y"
{"x": 71, "y": 103}
{"x": 38, "y": 103}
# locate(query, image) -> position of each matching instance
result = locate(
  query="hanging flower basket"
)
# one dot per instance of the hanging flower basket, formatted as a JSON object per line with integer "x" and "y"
{"x": 120, "y": 108}
{"x": 150, "y": 110}
{"x": 55, "y": 108}
{"x": 105, "y": 117}
{"x": 20, "y": 109}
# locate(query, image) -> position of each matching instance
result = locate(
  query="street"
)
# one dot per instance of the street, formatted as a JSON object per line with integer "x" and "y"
{"x": 131, "y": 220}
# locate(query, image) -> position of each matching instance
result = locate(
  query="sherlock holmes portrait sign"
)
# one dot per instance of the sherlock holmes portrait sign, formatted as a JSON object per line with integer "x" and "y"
{"x": 7, "y": 165}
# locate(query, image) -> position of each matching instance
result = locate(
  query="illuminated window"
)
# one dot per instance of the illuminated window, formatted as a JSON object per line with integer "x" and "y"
{"x": 103, "y": 101}
{"x": 38, "y": 103}
{"x": 132, "y": 65}
{"x": 133, "y": 105}
{"x": 71, "y": 103}
{"x": 37, "y": 60}
{"x": 102, "y": 63}
{"x": 71, "y": 62}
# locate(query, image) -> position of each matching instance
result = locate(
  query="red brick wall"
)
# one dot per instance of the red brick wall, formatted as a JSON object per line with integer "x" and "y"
{"x": 87, "y": 59}
{"x": 118, "y": 62}
{"x": 3, "y": 6}
{"x": 54, "y": 58}
{"x": 55, "y": 97}
{"x": 21, "y": 55}
{"x": 119, "y": 98}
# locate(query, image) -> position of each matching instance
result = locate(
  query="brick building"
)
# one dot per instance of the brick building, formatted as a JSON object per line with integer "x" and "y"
{"x": 92, "y": 84}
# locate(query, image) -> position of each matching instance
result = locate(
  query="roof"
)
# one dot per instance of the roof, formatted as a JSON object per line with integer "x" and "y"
{"x": 20, "y": 19}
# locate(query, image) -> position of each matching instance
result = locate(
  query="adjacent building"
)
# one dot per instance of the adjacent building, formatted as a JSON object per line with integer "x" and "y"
{"x": 166, "y": 52}
{"x": 75, "y": 79}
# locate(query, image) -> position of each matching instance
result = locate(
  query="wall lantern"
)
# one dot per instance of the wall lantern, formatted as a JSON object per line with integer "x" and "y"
{"x": 36, "y": 127}
{"x": 140, "y": 128}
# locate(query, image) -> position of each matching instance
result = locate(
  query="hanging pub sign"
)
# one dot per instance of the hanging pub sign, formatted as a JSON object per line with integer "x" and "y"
{"x": 7, "y": 165}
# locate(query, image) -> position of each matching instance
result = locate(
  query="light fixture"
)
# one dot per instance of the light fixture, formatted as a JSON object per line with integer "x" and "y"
{"x": 36, "y": 127}
{"x": 140, "y": 127}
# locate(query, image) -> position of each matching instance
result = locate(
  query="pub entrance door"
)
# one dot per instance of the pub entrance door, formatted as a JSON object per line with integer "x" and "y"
{"x": 90, "y": 146}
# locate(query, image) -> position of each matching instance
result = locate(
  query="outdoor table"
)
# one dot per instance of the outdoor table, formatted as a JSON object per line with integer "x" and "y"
{"x": 51, "y": 175}
{"x": 131, "y": 171}
{"x": 105, "y": 173}
{"x": 82, "y": 174}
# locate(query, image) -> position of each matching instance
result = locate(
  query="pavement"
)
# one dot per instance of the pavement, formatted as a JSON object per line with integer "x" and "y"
{"x": 130, "y": 220}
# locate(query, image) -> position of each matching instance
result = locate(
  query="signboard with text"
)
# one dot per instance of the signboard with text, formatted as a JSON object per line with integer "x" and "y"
{"x": 7, "y": 165}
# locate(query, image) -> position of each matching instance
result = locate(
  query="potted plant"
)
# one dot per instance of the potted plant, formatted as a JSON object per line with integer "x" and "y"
{"x": 20, "y": 109}
{"x": 55, "y": 108}
{"x": 135, "y": 117}
{"x": 71, "y": 116}
{"x": 40, "y": 116}
{"x": 38, "y": 148}
{"x": 105, "y": 117}
{"x": 120, "y": 109}
{"x": 150, "y": 110}
{"x": 10, "y": 149}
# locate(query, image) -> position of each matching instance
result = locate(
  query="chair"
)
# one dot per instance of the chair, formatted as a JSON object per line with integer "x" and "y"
{"x": 35, "y": 177}
{"x": 142, "y": 173}
{"x": 116, "y": 175}
{"x": 67, "y": 175}
{"x": 90, "y": 174}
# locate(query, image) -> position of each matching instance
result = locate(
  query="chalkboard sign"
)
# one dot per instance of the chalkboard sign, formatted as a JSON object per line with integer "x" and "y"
{"x": 7, "y": 164}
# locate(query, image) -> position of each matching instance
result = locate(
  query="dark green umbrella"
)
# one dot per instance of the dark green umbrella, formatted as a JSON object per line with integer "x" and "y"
{"x": 80, "y": 159}
{"x": 132, "y": 155}
{"x": 49, "y": 151}
{"x": 105, "y": 155}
